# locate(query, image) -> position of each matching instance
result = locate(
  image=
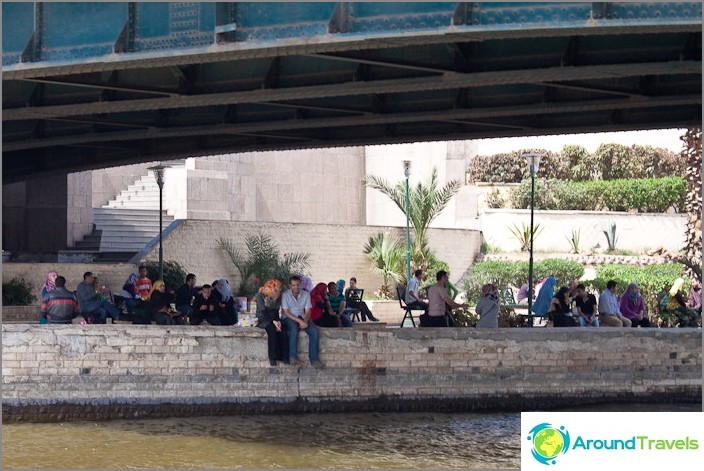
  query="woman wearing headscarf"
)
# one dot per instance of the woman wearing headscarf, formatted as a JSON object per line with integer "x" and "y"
{"x": 50, "y": 283}
{"x": 685, "y": 316}
{"x": 268, "y": 307}
{"x": 559, "y": 311}
{"x": 160, "y": 305}
{"x": 488, "y": 308}
{"x": 321, "y": 312}
{"x": 633, "y": 307}
{"x": 544, "y": 297}
{"x": 226, "y": 302}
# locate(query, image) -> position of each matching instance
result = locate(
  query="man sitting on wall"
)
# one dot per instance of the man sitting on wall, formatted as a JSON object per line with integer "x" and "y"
{"x": 437, "y": 300}
{"x": 59, "y": 306}
{"x": 609, "y": 309}
{"x": 94, "y": 307}
{"x": 185, "y": 295}
{"x": 296, "y": 305}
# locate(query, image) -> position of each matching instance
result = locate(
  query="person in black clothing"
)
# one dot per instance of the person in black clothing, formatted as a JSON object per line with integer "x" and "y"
{"x": 160, "y": 306}
{"x": 185, "y": 296}
{"x": 559, "y": 311}
{"x": 227, "y": 306}
{"x": 586, "y": 305}
{"x": 268, "y": 307}
{"x": 351, "y": 294}
{"x": 205, "y": 307}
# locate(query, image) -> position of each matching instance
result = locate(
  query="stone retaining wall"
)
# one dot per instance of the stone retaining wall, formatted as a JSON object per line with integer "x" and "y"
{"x": 99, "y": 372}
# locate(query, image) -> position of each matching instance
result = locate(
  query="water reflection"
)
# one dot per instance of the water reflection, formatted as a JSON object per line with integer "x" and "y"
{"x": 370, "y": 440}
{"x": 379, "y": 440}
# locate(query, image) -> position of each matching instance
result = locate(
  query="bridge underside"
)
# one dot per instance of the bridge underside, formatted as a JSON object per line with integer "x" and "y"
{"x": 253, "y": 77}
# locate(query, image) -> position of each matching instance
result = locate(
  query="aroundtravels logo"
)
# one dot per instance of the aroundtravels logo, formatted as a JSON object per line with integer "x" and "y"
{"x": 548, "y": 442}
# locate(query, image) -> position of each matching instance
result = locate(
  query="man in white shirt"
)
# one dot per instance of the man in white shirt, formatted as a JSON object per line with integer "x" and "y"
{"x": 609, "y": 309}
{"x": 413, "y": 300}
{"x": 296, "y": 305}
{"x": 437, "y": 300}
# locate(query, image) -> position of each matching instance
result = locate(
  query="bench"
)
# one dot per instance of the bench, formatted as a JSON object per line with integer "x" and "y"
{"x": 507, "y": 300}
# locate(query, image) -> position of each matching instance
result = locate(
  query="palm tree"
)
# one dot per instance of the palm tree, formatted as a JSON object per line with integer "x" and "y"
{"x": 425, "y": 202}
{"x": 387, "y": 256}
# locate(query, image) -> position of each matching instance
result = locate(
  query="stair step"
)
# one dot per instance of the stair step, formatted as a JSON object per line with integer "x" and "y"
{"x": 134, "y": 228}
{"x": 125, "y": 211}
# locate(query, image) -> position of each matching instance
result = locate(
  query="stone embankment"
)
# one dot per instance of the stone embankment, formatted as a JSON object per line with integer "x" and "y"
{"x": 73, "y": 372}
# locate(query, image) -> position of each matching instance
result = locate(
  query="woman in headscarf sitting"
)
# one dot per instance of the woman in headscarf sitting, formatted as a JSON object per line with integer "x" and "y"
{"x": 49, "y": 285}
{"x": 544, "y": 296}
{"x": 488, "y": 308}
{"x": 633, "y": 307}
{"x": 160, "y": 305}
{"x": 226, "y": 302}
{"x": 686, "y": 317}
{"x": 321, "y": 312}
{"x": 268, "y": 308}
{"x": 559, "y": 311}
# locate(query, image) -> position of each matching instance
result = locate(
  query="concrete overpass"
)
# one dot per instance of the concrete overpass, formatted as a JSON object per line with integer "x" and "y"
{"x": 94, "y": 85}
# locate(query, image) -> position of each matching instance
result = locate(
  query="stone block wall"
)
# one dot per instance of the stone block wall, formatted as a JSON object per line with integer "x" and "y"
{"x": 93, "y": 372}
{"x": 336, "y": 250}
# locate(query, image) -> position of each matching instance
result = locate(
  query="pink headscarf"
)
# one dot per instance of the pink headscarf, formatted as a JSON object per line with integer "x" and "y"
{"x": 50, "y": 284}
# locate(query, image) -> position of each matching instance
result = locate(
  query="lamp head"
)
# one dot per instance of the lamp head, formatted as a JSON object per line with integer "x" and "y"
{"x": 407, "y": 168}
{"x": 533, "y": 160}
{"x": 159, "y": 173}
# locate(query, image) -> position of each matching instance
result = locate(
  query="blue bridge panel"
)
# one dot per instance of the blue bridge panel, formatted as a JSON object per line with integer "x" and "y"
{"x": 94, "y": 29}
{"x": 265, "y": 21}
{"x": 18, "y": 26}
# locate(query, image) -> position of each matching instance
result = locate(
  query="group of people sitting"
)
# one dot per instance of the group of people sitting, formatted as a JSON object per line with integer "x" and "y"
{"x": 91, "y": 299}
{"x": 573, "y": 305}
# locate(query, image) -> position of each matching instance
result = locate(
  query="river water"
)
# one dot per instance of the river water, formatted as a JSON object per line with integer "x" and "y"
{"x": 364, "y": 440}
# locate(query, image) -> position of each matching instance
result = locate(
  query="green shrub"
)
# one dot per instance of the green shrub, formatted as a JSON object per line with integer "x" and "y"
{"x": 650, "y": 195}
{"x": 651, "y": 280}
{"x": 502, "y": 273}
{"x": 17, "y": 292}
{"x": 174, "y": 273}
{"x": 494, "y": 199}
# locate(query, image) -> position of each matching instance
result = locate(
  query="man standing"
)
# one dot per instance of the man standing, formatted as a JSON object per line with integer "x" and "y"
{"x": 185, "y": 296}
{"x": 413, "y": 300}
{"x": 59, "y": 305}
{"x": 438, "y": 299}
{"x": 144, "y": 284}
{"x": 93, "y": 304}
{"x": 297, "y": 306}
{"x": 609, "y": 310}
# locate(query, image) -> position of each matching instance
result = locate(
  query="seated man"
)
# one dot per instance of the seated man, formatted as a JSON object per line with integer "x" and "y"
{"x": 337, "y": 305}
{"x": 296, "y": 305}
{"x": 437, "y": 300}
{"x": 586, "y": 307}
{"x": 59, "y": 305}
{"x": 609, "y": 309}
{"x": 205, "y": 307}
{"x": 185, "y": 295}
{"x": 695, "y": 296}
{"x": 354, "y": 302}
{"x": 92, "y": 305}
{"x": 413, "y": 300}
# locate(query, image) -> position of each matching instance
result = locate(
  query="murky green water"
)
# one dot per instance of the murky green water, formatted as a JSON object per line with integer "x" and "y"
{"x": 371, "y": 440}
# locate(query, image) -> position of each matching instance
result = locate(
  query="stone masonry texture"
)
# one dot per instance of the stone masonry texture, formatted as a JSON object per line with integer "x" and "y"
{"x": 75, "y": 372}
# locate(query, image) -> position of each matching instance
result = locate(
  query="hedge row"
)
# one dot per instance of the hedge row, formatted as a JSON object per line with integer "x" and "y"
{"x": 654, "y": 195}
{"x": 575, "y": 163}
{"x": 501, "y": 273}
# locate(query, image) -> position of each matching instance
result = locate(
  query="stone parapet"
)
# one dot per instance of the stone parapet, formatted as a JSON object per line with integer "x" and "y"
{"x": 92, "y": 371}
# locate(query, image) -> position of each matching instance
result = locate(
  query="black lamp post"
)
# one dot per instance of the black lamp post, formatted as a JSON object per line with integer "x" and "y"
{"x": 407, "y": 173}
{"x": 159, "y": 174}
{"x": 533, "y": 161}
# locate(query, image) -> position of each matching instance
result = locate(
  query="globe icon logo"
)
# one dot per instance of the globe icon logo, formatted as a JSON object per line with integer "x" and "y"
{"x": 548, "y": 442}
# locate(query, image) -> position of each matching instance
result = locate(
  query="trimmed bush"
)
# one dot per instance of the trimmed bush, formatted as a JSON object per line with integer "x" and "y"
{"x": 174, "y": 273}
{"x": 515, "y": 274}
{"x": 608, "y": 162}
{"x": 17, "y": 292}
{"x": 649, "y": 195}
{"x": 651, "y": 280}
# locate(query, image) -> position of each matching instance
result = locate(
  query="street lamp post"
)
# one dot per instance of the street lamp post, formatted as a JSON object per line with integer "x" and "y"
{"x": 159, "y": 174}
{"x": 533, "y": 161}
{"x": 407, "y": 173}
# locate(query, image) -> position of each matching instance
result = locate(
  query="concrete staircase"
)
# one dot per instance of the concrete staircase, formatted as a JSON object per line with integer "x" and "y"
{"x": 124, "y": 225}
